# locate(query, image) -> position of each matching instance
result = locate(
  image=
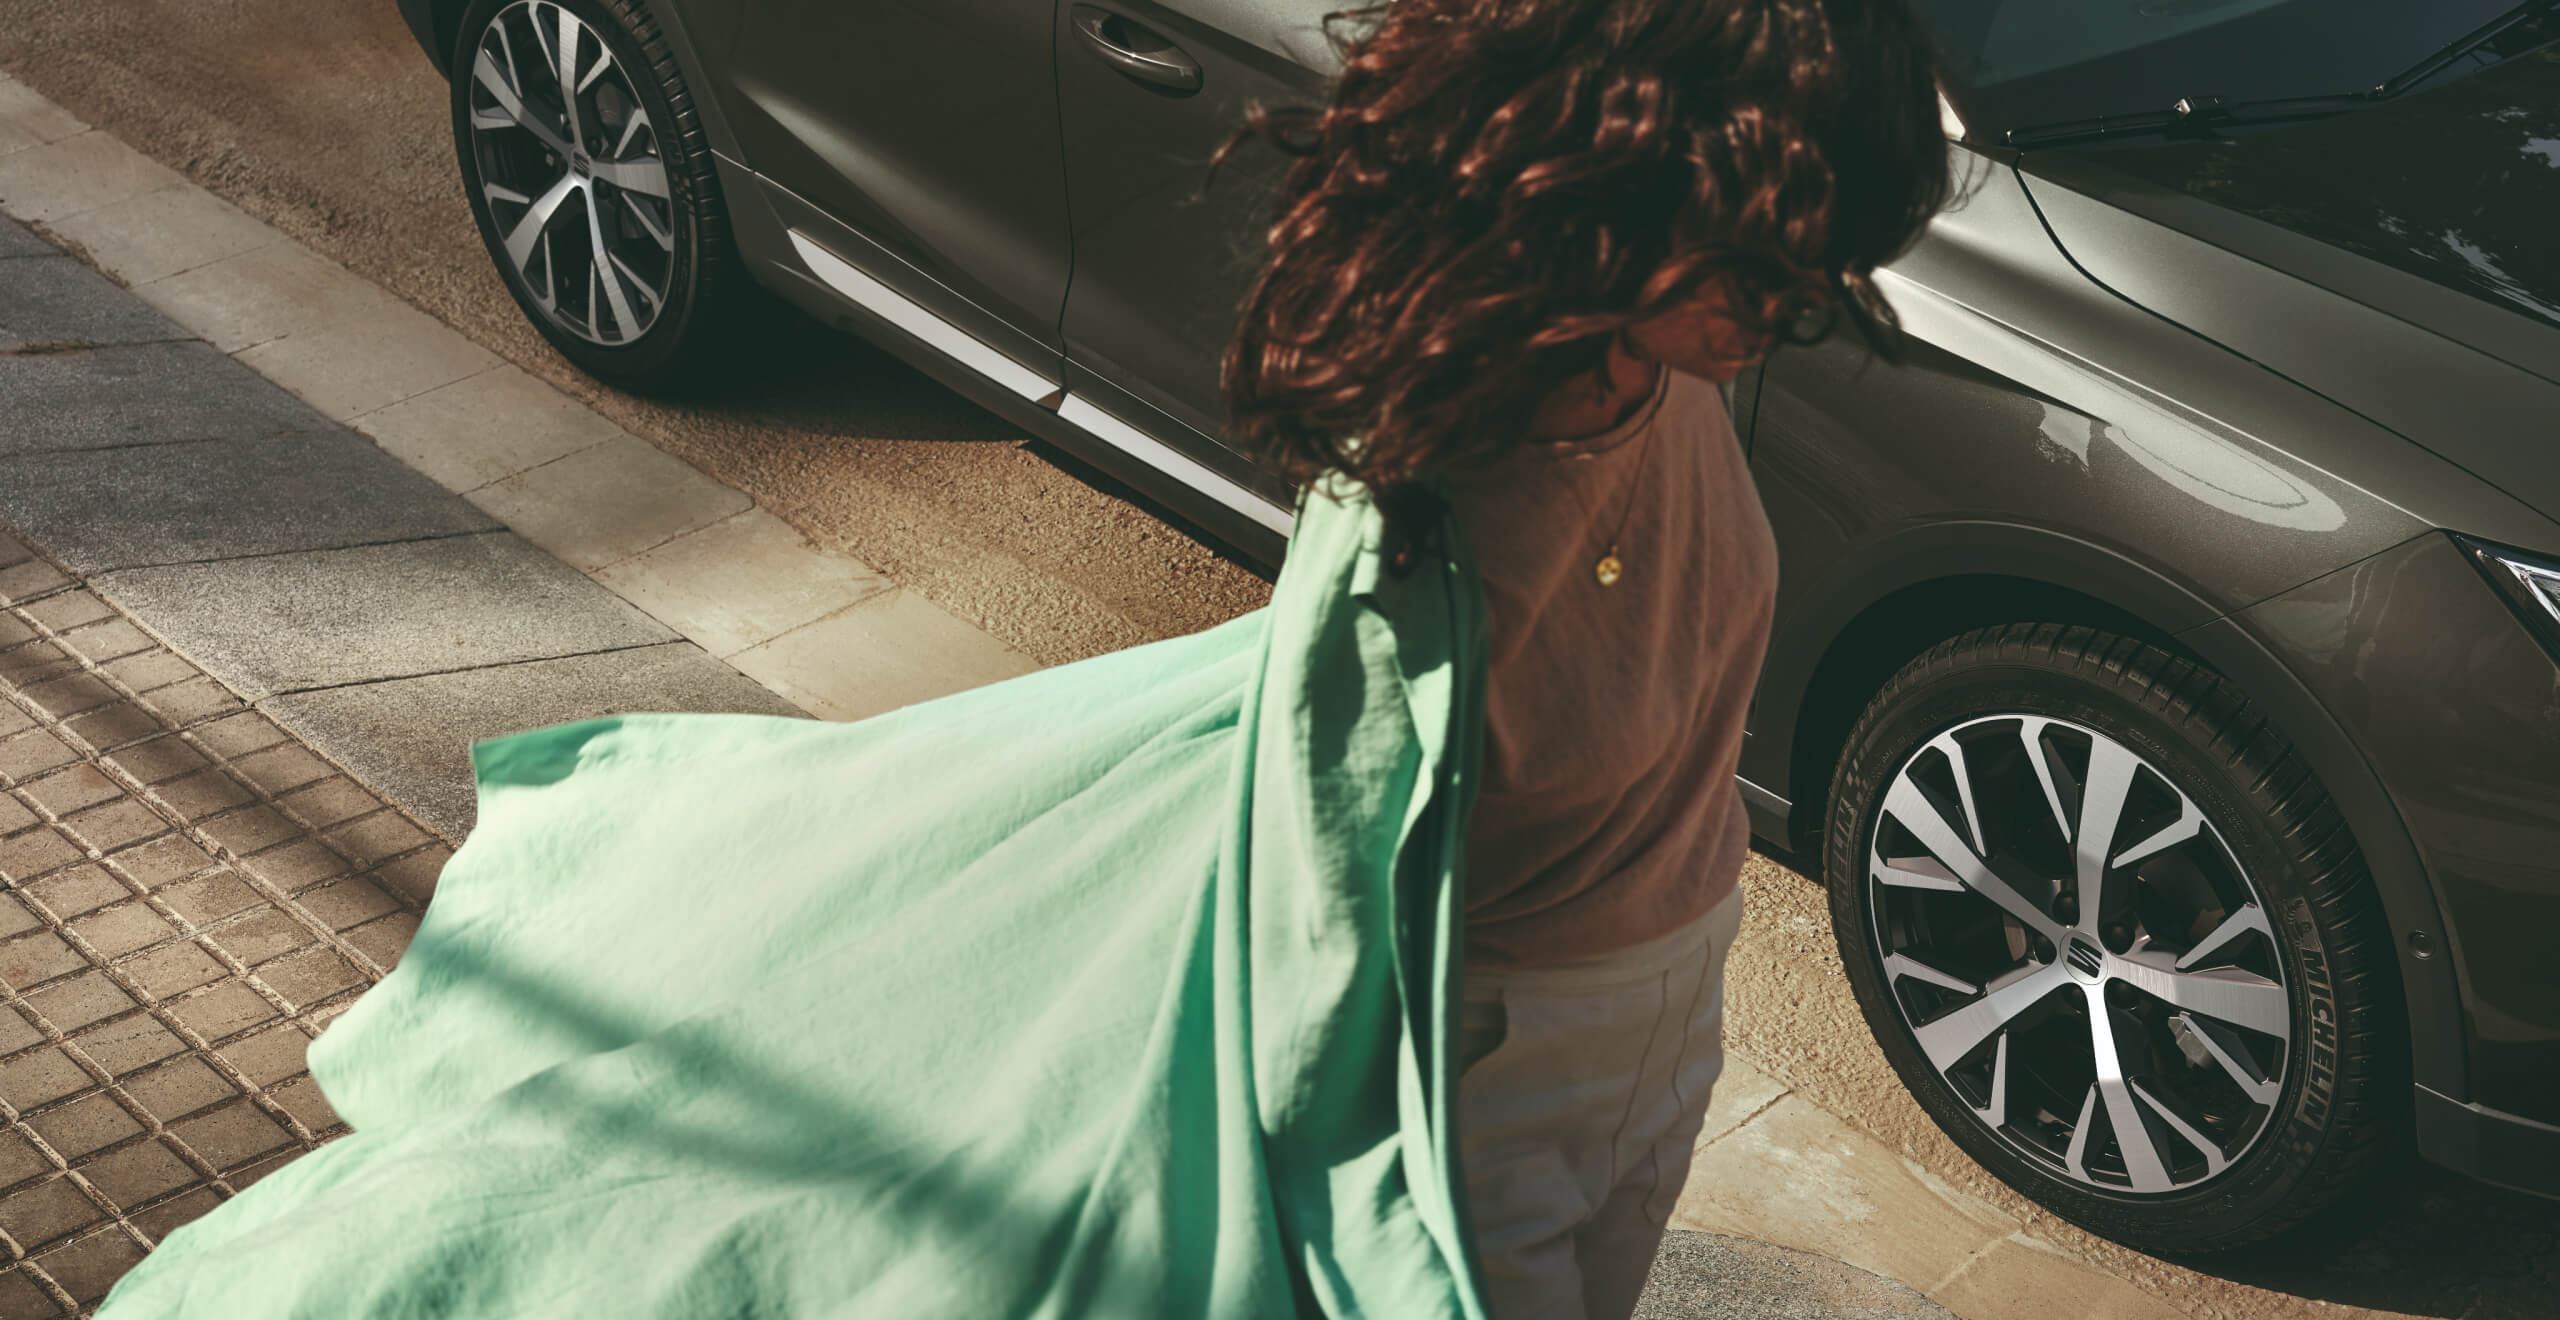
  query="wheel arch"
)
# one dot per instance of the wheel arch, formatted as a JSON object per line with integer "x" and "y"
{"x": 438, "y": 23}
{"x": 1936, "y": 583}
{"x": 1914, "y": 590}
{"x": 433, "y": 23}
{"x": 1896, "y": 629}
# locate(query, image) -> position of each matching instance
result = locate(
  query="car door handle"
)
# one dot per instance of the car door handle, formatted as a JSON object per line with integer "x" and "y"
{"x": 1130, "y": 47}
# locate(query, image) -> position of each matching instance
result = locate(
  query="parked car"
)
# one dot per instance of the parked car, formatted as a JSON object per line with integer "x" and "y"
{"x": 2164, "y": 675}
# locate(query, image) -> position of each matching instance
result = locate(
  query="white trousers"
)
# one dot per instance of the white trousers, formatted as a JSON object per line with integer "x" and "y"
{"x": 1583, "y": 1091}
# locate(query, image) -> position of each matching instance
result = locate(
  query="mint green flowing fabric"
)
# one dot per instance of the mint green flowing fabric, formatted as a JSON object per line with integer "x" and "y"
{"x": 1117, "y": 990}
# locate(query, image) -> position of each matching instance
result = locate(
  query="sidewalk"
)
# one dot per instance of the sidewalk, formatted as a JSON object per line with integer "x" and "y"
{"x": 289, "y": 546}
{"x": 191, "y": 896}
{"x": 371, "y": 528}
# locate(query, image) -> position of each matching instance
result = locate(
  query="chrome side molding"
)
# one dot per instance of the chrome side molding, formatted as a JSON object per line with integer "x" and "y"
{"x": 961, "y": 347}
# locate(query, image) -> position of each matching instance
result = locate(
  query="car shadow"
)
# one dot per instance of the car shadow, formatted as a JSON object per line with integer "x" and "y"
{"x": 798, "y": 375}
{"x": 801, "y": 376}
{"x": 1115, "y": 488}
{"x": 2421, "y": 1241}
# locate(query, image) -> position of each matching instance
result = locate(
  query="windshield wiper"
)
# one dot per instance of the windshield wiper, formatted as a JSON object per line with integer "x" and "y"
{"x": 2197, "y": 112}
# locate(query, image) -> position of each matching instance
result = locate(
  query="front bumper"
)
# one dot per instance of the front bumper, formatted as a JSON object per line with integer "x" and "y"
{"x": 2456, "y": 706}
{"x": 2491, "y": 1146}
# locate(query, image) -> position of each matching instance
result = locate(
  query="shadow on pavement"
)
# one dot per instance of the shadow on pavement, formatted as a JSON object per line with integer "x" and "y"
{"x": 1708, "y": 1276}
{"x": 2420, "y": 1241}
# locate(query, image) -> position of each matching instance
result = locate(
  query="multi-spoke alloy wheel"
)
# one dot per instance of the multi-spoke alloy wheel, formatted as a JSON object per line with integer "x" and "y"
{"x": 595, "y": 189}
{"x": 2114, "y": 936}
{"x": 569, "y": 164}
{"x": 2078, "y": 953}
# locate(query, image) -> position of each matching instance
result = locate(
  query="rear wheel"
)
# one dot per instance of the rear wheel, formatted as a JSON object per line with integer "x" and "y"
{"x": 2115, "y": 937}
{"x": 585, "y": 162}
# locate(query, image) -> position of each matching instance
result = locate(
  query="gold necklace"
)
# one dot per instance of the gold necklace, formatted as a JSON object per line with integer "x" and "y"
{"x": 1611, "y": 567}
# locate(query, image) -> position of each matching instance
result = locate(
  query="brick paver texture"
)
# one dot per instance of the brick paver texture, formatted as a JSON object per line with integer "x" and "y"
{"x": 188, "y": 896}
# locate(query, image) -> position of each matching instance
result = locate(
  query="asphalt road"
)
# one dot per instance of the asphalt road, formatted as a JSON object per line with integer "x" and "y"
{"x": 322, "y": 118}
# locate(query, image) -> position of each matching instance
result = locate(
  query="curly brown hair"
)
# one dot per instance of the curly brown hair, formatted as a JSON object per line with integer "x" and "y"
{"x": 1497, "y": 188}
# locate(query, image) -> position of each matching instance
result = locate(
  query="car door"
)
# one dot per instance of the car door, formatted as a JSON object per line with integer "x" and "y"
{"x": 1147, "y": 91}
{"x": 919, "y": 137}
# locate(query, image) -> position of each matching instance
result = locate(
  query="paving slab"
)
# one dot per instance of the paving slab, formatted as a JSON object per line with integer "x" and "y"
{"x": 30, "y": 120}
{"x": 741, "y": 581}
{"x": 894, "y": 649}
{"x": 485, "y": 427}
{"x": 1710, "y": 1276}
{"x": 2021, "y": 1278}
{"x": 365, "y": 360}
{"x": 102, "y": 509}
{"x": 1742, "y": 1093}
{"x": 56, "y": 300}
{"x": 157, "y": 234}
{"x": 1797, "y": 1175}
{"x": 140, "y": 394}
{"x": 610, "y": 501}
{"x": 283, "y": 623}
{"x": 410, "y": 739}
{"x": 71, "y": 174}
{"x": 266, "y": 293}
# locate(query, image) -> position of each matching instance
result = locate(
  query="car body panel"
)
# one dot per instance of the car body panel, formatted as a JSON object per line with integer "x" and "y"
{"x": 2492, "y": 418}
{"x": 421, "y": 16}
{"x": 2030, "y": 434}
{"x": 2463, "y": 205}
{"x": 852, "y": 107}
{"x": 2018, "y": 65}
{"x": 2458, "y": 708}
{"x": 1161, "y": 262}
{"x": 702, "y": 33}
{"x": 788, "y": 232}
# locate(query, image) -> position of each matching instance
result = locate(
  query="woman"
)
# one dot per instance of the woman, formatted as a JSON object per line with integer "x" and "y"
{"x": 1132, "y": 987}
{"x": 1635, "y": 198}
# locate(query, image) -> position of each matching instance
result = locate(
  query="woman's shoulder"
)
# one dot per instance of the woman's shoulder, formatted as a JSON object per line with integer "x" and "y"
{"x": 1696, "y": 398}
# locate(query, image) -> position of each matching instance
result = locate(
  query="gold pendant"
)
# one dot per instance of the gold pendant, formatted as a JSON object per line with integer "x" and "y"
{"x": 1608, "y": 569}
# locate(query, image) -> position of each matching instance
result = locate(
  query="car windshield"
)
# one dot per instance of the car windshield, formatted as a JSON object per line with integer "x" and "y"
{"x": 2023, "y": 62}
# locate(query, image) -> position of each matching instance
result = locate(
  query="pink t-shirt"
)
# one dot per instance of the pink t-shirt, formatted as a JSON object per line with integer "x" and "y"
{"x": 1607, "y": 814}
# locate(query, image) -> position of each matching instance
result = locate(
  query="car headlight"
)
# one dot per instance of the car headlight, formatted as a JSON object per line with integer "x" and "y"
{"x": 2530, "y": 582}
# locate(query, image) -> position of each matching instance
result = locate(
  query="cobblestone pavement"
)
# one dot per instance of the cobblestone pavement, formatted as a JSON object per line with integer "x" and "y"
{"x": 187, "y": 897}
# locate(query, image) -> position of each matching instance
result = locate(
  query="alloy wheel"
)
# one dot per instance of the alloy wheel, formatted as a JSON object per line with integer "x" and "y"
{"x": 569, "y": 164}
{"x": 2078, "y": 954}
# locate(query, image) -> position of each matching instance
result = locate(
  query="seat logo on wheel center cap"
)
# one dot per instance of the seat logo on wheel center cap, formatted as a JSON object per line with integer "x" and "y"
{"x": 579, "y": 163}
{"x": 2087, "y": 960}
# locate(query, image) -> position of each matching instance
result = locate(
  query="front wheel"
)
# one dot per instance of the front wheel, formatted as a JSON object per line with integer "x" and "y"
{"x": 584, "y": 157}
{"x": 2115, "y": 937}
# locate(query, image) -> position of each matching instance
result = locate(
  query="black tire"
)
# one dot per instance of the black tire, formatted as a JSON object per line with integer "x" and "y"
{"x": 2040, "y": 691}
{"x": 695, "y": 334}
